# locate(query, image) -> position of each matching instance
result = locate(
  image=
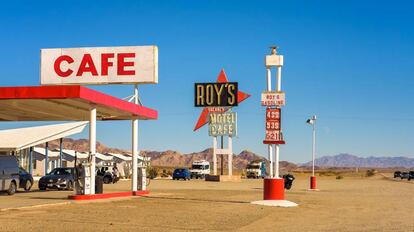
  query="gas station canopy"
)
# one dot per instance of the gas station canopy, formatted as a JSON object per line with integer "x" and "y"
{"x": 66, "y": 103}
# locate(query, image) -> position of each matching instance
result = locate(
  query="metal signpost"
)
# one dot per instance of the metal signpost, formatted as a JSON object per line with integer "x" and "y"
{"x": 273, "y": 191}
{"x": 312, "y": 121}
{"x": 217, "y": 99}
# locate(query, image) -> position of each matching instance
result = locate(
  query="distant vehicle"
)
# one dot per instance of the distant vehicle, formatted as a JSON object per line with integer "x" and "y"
{"x": 410, "y": 175}
{"x": 9, "y": 174}
{"x": 404, "y": 175}
{"x": 199, "y": 169}
{"x": 288, "y": 179}
{"x": 181, "y": 173}
{"x": 256, "y": 169}
{"x": 58, "y": 178}
{"x": 25, "y": 180}
{"x": 397, "y": 174}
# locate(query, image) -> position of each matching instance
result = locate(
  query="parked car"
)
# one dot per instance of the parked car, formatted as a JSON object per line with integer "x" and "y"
{"x": 404, "y": 175}
{"x": 25, "y": 180}
{"x": 9, "y": 174}
{"x": 58, "y": 178}
{"x": 410, "y": 175}
{"x": 397, "y": 174}
{"x": 181, "y": 173}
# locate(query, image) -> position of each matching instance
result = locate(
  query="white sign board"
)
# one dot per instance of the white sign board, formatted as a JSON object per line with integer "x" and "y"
{"x": 273, "y": 98}
{"x": 223, "y": 124}
{"x": 99, "y": 65}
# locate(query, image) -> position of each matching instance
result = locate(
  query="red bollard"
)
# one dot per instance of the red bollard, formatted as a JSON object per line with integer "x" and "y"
{"x": 313, "y": 182}
{"x": 274, "y": 189}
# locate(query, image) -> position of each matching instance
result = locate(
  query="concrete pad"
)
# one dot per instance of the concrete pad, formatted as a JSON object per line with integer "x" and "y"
{"x": 313, "y": 190}
{"x": 277, "y": 203}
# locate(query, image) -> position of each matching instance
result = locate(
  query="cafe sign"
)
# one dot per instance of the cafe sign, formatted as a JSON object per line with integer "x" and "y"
{"x": 99, "y": 65}
{"x": 223, "y": 124}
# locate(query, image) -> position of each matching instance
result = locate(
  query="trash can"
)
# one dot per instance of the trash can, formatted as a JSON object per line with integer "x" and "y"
{"x": 98, "y": 184}
{"x": 288, "y": 180}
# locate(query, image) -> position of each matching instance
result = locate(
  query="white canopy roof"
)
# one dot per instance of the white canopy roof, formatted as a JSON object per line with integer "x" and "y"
{"x": 42, "y": 151}
{"x": 80, "y": 155}
{"x": 120, "y": 156}
{"x": 103, "y": 157}
{"x": 127, "y": 157}
{"x": 21, "y": 138}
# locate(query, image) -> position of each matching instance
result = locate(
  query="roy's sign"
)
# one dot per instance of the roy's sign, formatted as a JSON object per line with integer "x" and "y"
{"x": 99, "y": 65}
{"x": 271, "y": 98}
{"x": 216, "y": 94}
{"x": 223, "y": 124}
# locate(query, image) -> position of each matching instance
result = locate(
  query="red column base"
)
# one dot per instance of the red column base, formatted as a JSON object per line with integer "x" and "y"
{"x": 313, "y": 182}
{"x": 274, "y": 189}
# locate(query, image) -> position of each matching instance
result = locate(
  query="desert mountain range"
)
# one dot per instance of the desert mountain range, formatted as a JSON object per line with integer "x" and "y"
{"x": 348, "y": 160}
{"x": 171, "y": 158}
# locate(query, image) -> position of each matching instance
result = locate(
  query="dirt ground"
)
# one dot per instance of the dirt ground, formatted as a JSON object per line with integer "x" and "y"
{"x": 350, "y": 204}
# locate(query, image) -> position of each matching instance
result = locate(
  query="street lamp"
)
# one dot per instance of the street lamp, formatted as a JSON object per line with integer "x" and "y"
{"x": 312, "y": 121}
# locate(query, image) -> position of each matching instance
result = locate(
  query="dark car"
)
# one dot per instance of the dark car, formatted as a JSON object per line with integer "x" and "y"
{"x": 397, "y": 174}
{"x": 9, "y": 174}
{"x": 58, "y": 178}
{"x": 410, "y": 175}
{"x": 404, "y": 175}
{"x": 25, "y": 179}
{"x": 181, "y": 173}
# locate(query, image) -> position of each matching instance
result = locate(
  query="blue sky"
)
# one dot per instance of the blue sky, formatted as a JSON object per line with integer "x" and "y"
{"x": 348, "y": 62}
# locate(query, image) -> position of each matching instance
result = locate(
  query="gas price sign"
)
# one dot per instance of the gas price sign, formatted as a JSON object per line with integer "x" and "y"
{"x": 273, "y": 130}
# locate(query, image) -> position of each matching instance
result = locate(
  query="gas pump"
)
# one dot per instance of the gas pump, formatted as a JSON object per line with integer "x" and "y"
{"x": 142, "y": 177}
{"x": 83, "y": 179}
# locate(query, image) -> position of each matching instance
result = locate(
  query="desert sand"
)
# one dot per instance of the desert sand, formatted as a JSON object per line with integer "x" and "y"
{"x": 350, "y": 204}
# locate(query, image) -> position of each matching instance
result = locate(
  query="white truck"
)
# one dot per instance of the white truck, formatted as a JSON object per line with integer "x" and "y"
{"x": 200, "y": 168}
{"x": 256, "y": 169}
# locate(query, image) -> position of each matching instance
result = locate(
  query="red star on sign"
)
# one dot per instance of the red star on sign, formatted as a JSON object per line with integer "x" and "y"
{"x": 204, "y": 119}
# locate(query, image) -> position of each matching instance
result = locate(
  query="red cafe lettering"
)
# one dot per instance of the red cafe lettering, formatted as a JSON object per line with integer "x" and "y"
{"x": 124, "y": 62}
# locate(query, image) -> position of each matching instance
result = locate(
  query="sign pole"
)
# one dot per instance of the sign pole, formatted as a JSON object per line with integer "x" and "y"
{"x": 215, "y": 155}
{"x": 230, "y": 160}
{"x": 278, "y": 89}
{"x": 270, "y": 146}
{"x": 222, "y": 157}
{"x": 135, "y": 145}
{"x": 273, "y": 185}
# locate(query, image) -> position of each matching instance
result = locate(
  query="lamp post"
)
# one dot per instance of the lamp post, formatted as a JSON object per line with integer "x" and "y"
{"x": 312, "y": 121}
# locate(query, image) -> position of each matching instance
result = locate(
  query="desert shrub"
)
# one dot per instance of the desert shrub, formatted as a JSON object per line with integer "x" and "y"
{"x": 339, "y": 177}
{"x": 164, "y": 173}
{"x": 152, "y": 172}
{"x": 243, "y": 174}
{"x": 371, "y": 172}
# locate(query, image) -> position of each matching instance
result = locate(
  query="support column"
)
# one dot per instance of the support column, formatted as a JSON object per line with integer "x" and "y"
{"x": 277, "y": 160}
{"x": 214, "y": 155}
{"x": 222, "y": 157}
{"x": 270, "y": 152}
{"x": 135, "y": 145}
{"x": 230, "y": 159}
{"x": 60, "y": 152}
{"x": 46, "y": 158}
{"x": 92, "y": 145}
{"x": 31, "y": 160}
